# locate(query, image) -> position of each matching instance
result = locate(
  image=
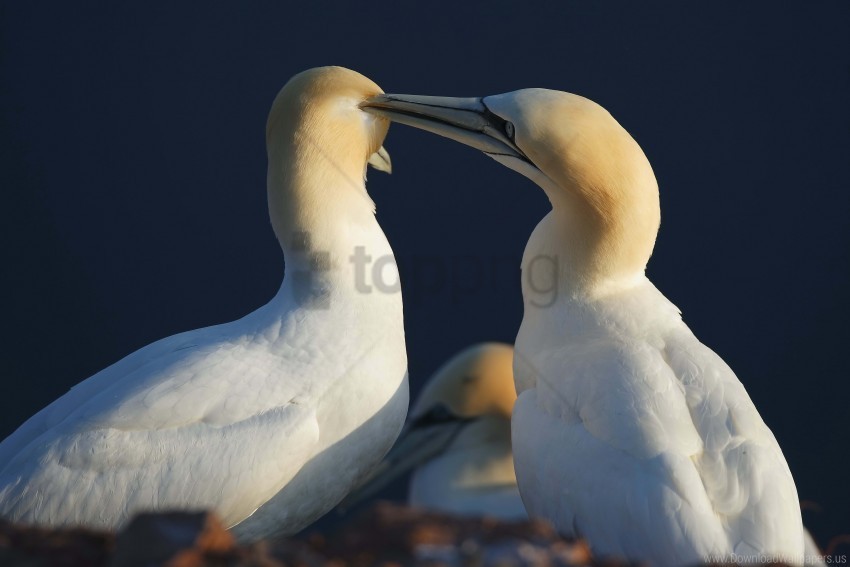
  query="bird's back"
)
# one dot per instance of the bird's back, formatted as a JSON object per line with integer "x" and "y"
{"x": 660, "y": 452}
{"x": 160, "y": 427}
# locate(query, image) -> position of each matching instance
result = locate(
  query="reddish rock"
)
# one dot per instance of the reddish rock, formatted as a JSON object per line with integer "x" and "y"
{"x": 387, "y": 535}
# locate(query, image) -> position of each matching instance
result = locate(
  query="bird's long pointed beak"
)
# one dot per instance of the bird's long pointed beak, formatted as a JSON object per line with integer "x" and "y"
{"x": 466, "y": 120}
{"x": 415, "y": 446}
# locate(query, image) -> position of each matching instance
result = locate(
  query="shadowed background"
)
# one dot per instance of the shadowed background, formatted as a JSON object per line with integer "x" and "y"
{"x": 132, "y": 167}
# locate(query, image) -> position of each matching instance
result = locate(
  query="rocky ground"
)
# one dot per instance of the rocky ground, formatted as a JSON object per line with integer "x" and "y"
{"x": 385, "y": 534}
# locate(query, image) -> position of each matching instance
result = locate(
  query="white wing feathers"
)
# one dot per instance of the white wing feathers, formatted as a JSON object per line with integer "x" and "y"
{"x": 662, "y": 436}
{"x": 742, "y": 466}
{"x": 141, "y": 432}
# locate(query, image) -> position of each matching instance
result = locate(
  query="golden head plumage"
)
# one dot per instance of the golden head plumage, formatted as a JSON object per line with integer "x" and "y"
{"x": 476, "y": 382}
{"x": 319, "y": 143}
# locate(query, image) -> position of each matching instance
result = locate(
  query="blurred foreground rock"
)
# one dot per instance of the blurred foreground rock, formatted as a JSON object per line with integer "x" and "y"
{"x": 383, "y": 535}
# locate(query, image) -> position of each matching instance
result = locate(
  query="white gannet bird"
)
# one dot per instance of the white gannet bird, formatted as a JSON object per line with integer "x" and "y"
{"x": 627, "y": 431}
{"x": 458, "y": 440}
{"x": 269, "y": 420}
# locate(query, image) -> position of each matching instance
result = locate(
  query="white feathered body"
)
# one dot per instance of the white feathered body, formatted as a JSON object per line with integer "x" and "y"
{"x": 631, "y": 433}
{"x": 474, "y": 476}
{"x": 269, "y": 420}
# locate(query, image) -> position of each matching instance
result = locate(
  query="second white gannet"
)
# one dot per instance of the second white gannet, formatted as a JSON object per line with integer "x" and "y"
{"x": 458, "y": 440}
{"x": 268, "y": 420}
{"x": 627, "y": 431}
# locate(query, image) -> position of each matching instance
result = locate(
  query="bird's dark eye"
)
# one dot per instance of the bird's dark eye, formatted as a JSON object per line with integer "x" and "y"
{"x": 509, "y": 130}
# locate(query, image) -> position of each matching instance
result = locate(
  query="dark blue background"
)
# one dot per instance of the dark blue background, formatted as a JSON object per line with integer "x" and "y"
{"x": 133, "y": 180}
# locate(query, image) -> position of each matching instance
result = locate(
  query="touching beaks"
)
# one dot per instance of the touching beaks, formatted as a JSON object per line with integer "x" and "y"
{"x": 466, "y": 120}
{"x": 381, "y": 161}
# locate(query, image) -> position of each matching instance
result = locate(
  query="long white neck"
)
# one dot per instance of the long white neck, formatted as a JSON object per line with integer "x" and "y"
{"x": 326, "y": 226}
{"x": 584, "y": 248}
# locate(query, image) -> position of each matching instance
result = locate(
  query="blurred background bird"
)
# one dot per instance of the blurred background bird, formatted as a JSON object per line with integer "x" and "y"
{"x": 457, "y": 441}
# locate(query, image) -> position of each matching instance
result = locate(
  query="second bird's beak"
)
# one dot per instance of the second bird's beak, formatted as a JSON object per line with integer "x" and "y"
{"x": 466, "y": 120}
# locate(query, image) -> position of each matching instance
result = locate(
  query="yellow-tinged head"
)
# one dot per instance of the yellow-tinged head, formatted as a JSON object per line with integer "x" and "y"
{"x": 476, "y": 382}
{"x": 319, "y": 142}
{"x": 321, "y": 107}
{"x": 596, "y": 173}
